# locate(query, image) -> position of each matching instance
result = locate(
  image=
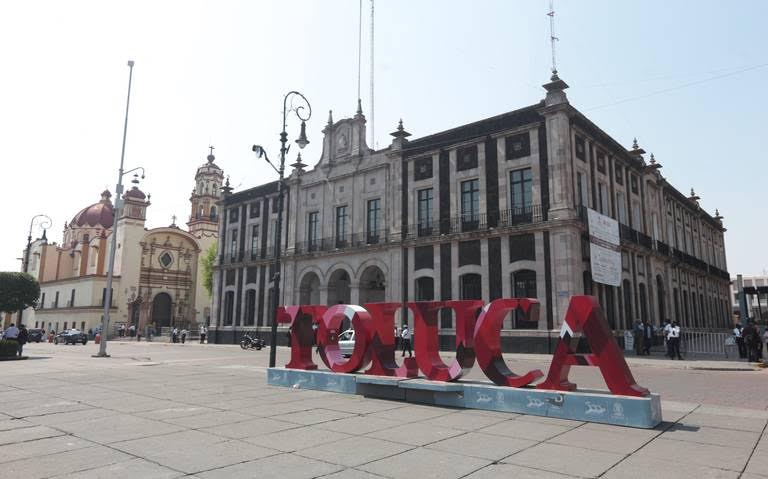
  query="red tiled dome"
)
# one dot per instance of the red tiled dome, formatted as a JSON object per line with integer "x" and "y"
{"x": 98, "y": 214}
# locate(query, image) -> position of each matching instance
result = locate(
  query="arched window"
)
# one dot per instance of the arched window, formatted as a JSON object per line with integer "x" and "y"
{"x": 213, "y": 213}
{"x": 229, "y": 310}
{"x": 250, "y": 308}
{"x": 470, "y": 285}
{"x": 643, "y": 306}
{"x": 627, "y": 290}
{"x": 524, "y": 286}
{"x": 425, "y": 289}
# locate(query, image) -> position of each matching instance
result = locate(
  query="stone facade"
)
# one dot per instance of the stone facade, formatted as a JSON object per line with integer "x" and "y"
{"x": 494, "y": 208}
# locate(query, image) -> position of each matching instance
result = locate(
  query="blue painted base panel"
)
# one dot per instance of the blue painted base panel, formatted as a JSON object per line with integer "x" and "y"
{"x": 590, "y": 406}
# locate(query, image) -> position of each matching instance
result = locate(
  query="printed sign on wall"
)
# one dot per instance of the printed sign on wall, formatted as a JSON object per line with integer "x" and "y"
{"x": 604, "y": 251}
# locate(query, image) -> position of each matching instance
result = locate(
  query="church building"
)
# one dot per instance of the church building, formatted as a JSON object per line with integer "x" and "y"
{"x": 158, "y": 276}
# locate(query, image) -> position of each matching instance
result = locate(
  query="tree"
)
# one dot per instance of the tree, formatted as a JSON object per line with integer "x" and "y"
{"x": 18, "y": 291}
{"x": 208, "y": 261}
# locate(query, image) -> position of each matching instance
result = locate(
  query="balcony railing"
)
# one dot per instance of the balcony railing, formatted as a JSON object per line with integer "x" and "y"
{"x": 357, "y": 240}
{"x": 475, "y": 222}
{"x": 662, "y": 248}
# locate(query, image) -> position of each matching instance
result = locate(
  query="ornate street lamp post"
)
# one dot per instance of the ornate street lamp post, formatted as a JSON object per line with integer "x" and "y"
{"x": 117, "y": 213}
{"x": 45, "y": 223}
{"x": 260, "y": 152}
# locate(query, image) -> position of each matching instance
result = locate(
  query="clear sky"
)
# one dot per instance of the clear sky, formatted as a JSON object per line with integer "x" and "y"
{"x": 683, "y": 77}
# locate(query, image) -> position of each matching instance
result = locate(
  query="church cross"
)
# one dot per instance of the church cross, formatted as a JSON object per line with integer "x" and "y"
{"x": 211, "y": 148}
{"x": 173, "y": 219}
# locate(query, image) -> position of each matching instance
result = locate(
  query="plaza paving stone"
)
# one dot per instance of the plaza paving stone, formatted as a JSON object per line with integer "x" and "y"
{"x": 206, "y": 412}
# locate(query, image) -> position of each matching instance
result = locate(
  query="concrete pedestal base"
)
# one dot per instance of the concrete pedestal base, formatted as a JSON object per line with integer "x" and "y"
{"x": 591, "y": 406}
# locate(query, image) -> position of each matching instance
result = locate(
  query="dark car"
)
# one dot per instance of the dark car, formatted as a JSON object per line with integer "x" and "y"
{"x": 71, "y": 336}
{"x": 35, "y": 335}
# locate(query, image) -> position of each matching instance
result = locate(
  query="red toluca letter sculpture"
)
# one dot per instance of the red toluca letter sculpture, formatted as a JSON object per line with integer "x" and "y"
{"x": 477, "y": 338}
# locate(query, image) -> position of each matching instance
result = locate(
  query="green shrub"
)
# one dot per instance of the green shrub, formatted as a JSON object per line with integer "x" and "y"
{"x": 8, "y": 347}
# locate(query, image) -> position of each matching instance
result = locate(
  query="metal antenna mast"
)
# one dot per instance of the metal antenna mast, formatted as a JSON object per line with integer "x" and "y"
{"x": 373, "y": 136}
{"x": 359, "y": 47}
{"x": 552, "y": 37}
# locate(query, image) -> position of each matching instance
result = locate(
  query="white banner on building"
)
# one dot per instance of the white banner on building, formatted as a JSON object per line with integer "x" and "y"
{"x": 604, "y": 251}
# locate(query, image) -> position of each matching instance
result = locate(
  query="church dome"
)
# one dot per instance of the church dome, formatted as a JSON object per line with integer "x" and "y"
{"x": 99, "y": 214}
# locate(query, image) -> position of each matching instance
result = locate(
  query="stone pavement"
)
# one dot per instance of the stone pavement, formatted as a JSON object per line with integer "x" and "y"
{"x": 164, "y": 411}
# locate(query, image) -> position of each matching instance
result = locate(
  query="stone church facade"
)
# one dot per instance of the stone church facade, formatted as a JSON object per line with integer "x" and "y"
{"x": 158, "y": 278}
{"x": 495, "y": 208}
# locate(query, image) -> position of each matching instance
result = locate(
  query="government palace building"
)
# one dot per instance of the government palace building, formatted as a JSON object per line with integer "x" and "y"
{"x": 492, "y": 209}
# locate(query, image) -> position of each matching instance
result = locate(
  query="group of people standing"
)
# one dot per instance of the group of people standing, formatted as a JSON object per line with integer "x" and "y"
{"x": 749, "y": 341}
{"x": 644, "y": 334}
{"x": 20, "y": 335}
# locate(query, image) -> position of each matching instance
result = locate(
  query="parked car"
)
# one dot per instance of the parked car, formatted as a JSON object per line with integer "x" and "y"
{"x": 71, "y": 336}
{"x": 347, "y": 342}
{"x": 35, "y": 335}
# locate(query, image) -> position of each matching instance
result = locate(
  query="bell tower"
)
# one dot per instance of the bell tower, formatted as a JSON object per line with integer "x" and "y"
{"x": 204, "y": 217}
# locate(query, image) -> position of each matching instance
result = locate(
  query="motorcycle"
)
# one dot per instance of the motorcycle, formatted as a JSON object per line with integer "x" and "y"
{"x": 251, "y": 343}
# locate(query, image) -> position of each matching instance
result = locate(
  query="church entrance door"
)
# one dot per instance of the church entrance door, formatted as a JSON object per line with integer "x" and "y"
{"x": 161, "y": 311}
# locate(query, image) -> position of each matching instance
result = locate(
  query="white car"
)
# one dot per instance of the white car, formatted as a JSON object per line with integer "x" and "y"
{"x": 347, "y": 342}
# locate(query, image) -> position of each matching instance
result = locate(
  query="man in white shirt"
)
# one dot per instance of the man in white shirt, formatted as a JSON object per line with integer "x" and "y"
{"x": 674, "y": 341}
{"x": 739, "y": 341}
{"x": 406, "y": 337}
{"x": 12, "y": 332}
{"x": 203, "y": 331}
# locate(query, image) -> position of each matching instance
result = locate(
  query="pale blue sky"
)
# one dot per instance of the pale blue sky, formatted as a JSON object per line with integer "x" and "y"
{"x": 215, "y": 72}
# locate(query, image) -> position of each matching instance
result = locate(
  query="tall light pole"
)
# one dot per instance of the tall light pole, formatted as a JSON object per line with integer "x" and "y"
{"x": 47, "y": 222}
{"x": 118, "y": 205}
{"x": 260, "y": 152}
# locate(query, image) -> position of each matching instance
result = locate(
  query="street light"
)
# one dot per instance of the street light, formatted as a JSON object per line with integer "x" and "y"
{"x": 118, "y": 205}
{"x": 45, "y": 223}
{"x": 261, "y": 152}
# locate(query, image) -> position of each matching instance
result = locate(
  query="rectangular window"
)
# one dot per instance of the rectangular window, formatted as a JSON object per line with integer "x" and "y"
{"x": 619, "y": 175}
{"x": 422, "y": 169}
{"x": 637, "y": 222}
{"x": 583, "y": 191}
{"x": 424, "y": 212}
{"x": 56, "y": 300}
{"x": 255, "y": 209}
{"x": 601, "y": 162}
{"x": 470, "y": 204}
{"x": 72, "y": 299}
{"x": 633, "y": 183}
{"x": 341, "y": 226}
{"x": 621, "y": 206}
{"x": 313, "y": 224}
{"x": 275, "y": 204}
{"x": 42, "y": 301}
{"x": 233, "y": 216}
{"x": 656, "y": 227}
{"x": 374, "y": 221}
{"x": 625, "y": 261}
{"x": 581, "y": 149}
{"x": 640, "y": 265}
{"x": 254, "y": 241}
{"x": 466, "y": 158}
{"x": 517, "y": 146}
{"x": 602, "y": 194}
{"x": 521, "y": 190}
{"x": 233, "y": 244}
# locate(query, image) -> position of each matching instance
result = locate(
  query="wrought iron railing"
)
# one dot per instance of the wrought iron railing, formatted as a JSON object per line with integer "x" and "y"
{"x": 357, "y": 240}
{"x": 475, "y": 222}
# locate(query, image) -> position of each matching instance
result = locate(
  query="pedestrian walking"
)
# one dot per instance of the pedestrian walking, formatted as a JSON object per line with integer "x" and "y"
{"x": 752, "y": 341}
{"x": 203, "y": 332}
{"x": 175, "y": 335}
{"x": 674, "y": 341}
{"x": 22, "y": 338}
{"x": 133, "y": 330}
{"x": 406, "y": 341}
{"x": 638, "y": 333}
{"x": 739, "y": 341}
{"x": 647, "y": 337}
{"x": 183, "y": 336}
